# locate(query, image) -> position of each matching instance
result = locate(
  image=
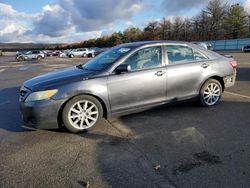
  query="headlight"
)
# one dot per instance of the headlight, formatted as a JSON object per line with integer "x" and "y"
{"x": 41, "y": 95}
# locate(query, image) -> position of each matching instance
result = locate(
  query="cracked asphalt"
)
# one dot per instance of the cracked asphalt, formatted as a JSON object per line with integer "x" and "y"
{"x": 178, "y": 145}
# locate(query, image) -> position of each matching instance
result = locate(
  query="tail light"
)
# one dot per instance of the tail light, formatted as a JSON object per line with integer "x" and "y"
{"x": 233, "y": 63}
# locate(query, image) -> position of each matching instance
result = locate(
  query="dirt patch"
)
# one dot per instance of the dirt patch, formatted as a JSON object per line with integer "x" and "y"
{"x": 186, "y": 166}
{"x": 117, "y": 141}
{"x": 207, "y": 157}
{"x": 201, "y": 158}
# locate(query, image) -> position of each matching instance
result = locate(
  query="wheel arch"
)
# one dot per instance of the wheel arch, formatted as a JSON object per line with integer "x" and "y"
{"x": 104, "y": 106}
{"x": 215, "y": 77}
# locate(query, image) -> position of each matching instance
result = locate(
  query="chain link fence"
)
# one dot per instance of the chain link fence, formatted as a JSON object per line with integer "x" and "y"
{"x": 233, "y": 44}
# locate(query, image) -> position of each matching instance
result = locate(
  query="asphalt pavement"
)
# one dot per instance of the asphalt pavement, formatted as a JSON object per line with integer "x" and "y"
{"x": 178, "y": 145}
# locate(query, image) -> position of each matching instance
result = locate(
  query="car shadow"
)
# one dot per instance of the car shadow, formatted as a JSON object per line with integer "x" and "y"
{"x": 182, "y": 138}
{"x": 10, "y": 118}
{"x": 179, "y": 138}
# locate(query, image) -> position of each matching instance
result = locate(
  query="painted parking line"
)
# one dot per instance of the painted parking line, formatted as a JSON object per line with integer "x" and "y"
{"x": 10, "y": 66}
{"x": 238, "y": 95}
{"x": 5, "y": 102}
{"x": 1, "y": 70}
{"x": 24, "y": 68}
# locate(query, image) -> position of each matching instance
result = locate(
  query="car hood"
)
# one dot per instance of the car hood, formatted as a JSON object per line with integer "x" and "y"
{"x": 53, "y": 79}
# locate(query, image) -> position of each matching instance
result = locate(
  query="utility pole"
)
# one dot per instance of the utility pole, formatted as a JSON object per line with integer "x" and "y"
{"x": 249, "y": 22}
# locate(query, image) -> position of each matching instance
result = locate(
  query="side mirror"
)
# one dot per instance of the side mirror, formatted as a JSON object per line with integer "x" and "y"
{"x": 123, "y": 68}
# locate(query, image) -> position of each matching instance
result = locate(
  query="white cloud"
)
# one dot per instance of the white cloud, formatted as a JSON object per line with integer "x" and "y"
{"x": 88, "y": 15}
{"x": 247, "y": 6}
{"x": 173, "y": 7}
{"x": 7, "y": 12}
{"x": 10, "y": 31}
{"x": 65, "y": 21}
{"x": 53, "y": 21}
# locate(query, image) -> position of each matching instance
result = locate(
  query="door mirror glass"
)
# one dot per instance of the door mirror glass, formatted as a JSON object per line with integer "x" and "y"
{"x": 123, "y": 68}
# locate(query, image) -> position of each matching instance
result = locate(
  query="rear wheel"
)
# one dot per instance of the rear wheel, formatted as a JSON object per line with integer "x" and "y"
{"x": 82, "y": 113}
{"x": 210, "y": 93}
{"x": 71, "y": 55}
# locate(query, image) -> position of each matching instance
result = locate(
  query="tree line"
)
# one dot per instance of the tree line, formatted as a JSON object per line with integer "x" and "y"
{"x": 218, "y": 20}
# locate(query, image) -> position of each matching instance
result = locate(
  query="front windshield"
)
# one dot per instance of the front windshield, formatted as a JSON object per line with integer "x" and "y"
{"x": 106, "y": 59}
{"x": 29, "y": 52}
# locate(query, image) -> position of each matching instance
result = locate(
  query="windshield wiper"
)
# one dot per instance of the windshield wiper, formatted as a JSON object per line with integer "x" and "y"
{"x": 79, "y": 66}
{"x": 83, "y": 68}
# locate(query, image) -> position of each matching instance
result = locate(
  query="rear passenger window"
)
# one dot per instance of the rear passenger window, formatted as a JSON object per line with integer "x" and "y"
{"x": 199, "y": 56}
{"x": 179, "y": 54}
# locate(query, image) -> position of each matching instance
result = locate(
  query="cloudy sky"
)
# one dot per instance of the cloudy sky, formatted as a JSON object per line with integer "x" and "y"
{"x": 50, "y": 21}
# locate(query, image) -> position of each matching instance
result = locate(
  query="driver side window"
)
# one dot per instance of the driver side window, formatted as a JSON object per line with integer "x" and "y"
{"x": 145, "y": 58}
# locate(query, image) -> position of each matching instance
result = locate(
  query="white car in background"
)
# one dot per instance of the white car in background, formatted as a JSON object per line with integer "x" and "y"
{"x": 81, "y": 52}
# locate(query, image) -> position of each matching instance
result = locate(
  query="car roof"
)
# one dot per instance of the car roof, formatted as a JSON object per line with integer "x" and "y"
{"x": 142, "y": 43}
{"x": 208, "y": 53}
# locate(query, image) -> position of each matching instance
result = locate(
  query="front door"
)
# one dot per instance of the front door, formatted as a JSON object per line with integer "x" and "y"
{"x": 144, "y": 85}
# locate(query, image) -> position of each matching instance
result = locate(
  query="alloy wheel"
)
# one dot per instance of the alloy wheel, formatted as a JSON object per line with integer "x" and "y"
{"x": 211, "y": 94}
{"x": 83, "y": 114}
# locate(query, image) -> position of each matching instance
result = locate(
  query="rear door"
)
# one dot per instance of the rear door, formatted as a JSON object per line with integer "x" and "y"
{"x": 144, "y": 85}
{"x": 186, "y": 70}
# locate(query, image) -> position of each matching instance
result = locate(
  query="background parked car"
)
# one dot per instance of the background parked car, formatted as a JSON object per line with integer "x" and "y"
{"x": 98, "y": 51}
{"x": 48, "y": 53}
{"x": 205, "y": 45}
{"x": 56, "y": 53}
{"x": 63, "y": 54}
{"x": 35, "y": 54}
{"x": 81, "y": 52}
{"x": 246, "y": 48}
{"x": 18, "y": 53}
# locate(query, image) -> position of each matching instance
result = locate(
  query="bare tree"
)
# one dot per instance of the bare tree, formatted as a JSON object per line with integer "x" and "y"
{"x": 151, "y": 31}
{"x": 216, "y": 10}
{"x": 177, "y": 28}
{"x": 165, "y": 29}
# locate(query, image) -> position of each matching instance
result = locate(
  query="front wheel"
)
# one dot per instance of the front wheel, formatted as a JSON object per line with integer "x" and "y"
{"x": 210, "y": 93}
{"x": 20, "y": 59}
{"x": 39, "y": 58}
{"x": 82, "y": 113}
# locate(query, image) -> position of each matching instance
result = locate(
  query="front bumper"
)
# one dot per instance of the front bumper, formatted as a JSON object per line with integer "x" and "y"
{"x": 41, "y": 114}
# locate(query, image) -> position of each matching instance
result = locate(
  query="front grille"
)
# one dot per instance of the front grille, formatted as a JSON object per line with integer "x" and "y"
{"x": 24, "y": 92}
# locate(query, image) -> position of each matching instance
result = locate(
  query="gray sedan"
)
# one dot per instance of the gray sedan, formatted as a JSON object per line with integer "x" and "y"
{"x": 125, "y": 79}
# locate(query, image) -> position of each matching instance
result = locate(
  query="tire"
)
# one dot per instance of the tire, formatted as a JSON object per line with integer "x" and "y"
{"x": 39, "y": 58}
{"x": 210, "y": 93}
{"x": 78, "y": 118}
{"x": 20, "y": 59}
{"x": 71, "y": 55}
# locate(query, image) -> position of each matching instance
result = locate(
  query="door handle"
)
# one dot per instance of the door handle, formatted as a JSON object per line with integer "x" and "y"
{"x": 159, "y": 73}
{"x": 205, "y": 65}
